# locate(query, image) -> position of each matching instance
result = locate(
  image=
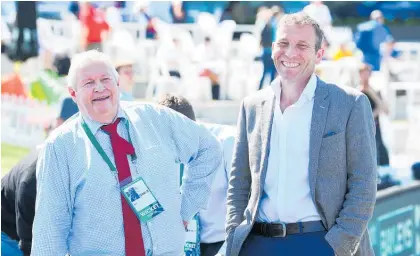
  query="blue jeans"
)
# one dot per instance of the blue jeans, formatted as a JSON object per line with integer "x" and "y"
{"x": 9, "y": 247}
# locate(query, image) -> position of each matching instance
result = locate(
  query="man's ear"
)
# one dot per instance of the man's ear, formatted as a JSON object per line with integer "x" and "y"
{"x": 72, "y": 93}
{"x": 319, "y": 55}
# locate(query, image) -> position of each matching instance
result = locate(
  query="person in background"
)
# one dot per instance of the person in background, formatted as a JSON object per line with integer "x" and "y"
{"x": 378, "y": 107}
{"x": 142, "y": 15}
{"x": 318, "y": 11}
{"x": 18, "y": 190}
{"x": 27, "y": 42}
{"x": 263, "y": 21}
{"x": 95, "y": 29}
{"x": 125, "y": 71}
{"x": 278, "y": 13}
{"x": 177, "y": 11}
{"x": 212, "y": 219}
{"x": 369, "y": 36}
{"x": 81, "y": 206}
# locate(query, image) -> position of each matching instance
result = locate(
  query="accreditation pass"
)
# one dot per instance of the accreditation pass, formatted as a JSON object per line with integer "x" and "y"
{"x": 141, "y": 200}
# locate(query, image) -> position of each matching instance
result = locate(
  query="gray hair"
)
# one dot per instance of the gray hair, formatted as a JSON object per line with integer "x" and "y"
{"x": 82, "y": 59}
{"x": 301, "y": 18}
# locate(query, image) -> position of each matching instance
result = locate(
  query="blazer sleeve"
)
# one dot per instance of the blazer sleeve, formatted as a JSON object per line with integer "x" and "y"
{"x": 240, "y": 176}
{"x": 360, "y": 199}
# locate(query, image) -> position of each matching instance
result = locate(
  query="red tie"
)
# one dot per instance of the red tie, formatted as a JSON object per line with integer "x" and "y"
{"x": 134, "y": 245}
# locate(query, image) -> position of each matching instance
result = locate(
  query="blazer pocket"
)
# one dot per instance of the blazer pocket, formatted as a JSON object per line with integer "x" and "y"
{"x": 333, "y": 145}
{"x": 333, "y": 137}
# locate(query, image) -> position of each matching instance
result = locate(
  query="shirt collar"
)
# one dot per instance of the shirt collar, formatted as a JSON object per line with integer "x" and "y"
{"x": 308, "y": 92}
{"x": 95, "y": 126}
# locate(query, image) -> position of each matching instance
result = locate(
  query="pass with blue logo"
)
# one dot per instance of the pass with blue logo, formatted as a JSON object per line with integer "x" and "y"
{"x": 141, "y": 200}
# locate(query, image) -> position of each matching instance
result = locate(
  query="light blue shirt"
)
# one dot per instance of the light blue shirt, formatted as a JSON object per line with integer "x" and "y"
{"x": 78, "y": 207}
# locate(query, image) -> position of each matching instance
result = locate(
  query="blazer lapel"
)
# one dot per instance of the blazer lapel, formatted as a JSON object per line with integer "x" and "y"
{"x": 267, "y": 114}
{"x": 319, "y": 117}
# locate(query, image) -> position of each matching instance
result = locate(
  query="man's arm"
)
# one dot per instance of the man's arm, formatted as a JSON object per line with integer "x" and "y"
{"x": 240, "y": 176}
{"x": 53, "y": 208}
{"x": 202, "y": 154}
{"x": 360, "y": 199}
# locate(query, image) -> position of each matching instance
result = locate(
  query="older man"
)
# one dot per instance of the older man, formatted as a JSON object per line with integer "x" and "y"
{"x": 90, "y": 168}
{"x": 303, "y": 179}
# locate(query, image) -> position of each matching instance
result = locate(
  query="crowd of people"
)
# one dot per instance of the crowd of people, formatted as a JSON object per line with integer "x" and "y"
{"x": 119, "y": 177}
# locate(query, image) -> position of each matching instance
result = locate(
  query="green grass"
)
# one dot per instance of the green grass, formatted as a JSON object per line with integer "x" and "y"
{"x": 10, "y": 155}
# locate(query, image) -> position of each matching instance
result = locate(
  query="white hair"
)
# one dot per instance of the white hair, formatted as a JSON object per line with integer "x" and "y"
{"x": 81, "y": 60}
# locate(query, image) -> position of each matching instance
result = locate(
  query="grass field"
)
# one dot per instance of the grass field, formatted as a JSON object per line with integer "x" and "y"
{"x": 10, "y": 155}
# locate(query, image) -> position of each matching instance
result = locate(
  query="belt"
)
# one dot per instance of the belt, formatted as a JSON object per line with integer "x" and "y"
{"x": 283, "y": 229}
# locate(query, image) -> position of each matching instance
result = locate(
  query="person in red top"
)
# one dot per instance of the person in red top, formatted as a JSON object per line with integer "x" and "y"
{"x": 94, "y": 27}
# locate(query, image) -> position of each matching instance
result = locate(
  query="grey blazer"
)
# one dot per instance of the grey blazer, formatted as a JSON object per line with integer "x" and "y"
{"x": 342, "y": 167}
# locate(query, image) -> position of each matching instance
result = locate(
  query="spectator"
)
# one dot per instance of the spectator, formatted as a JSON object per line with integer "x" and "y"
{"x": 146, "y": 20}
{"x": 18, "y": 190}
{"x": 263, "y": 21}
{"x": 177, "y": 11}
{"x": 126, "y": 79}
{"x": 278, "y": 13}
{"x": 94, "y": 27}
{"x": 369, "y": 37}
{"x": 378, "y": 107}
{"x": 25, "y": 47}
{"x": 318, "y": 11}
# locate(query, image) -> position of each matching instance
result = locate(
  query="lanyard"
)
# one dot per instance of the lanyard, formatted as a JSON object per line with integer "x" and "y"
{"x": 98, "y": 146}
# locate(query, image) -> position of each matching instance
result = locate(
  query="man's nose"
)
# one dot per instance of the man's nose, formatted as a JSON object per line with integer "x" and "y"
{"x": 99, "y": 86}
{"x": 290, "y": 51}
